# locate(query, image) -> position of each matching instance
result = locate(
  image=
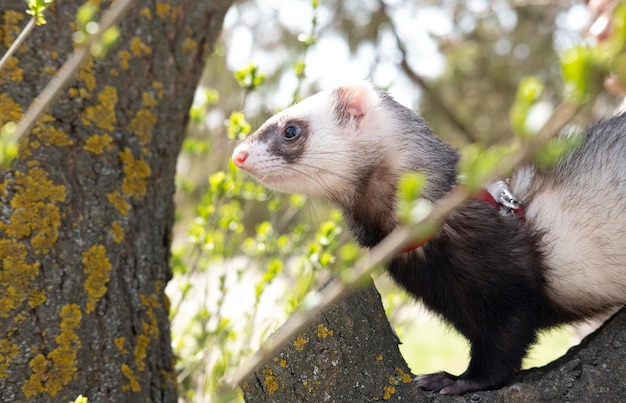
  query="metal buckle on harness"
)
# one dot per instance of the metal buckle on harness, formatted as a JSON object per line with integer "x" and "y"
{"x": 501, "y": 192}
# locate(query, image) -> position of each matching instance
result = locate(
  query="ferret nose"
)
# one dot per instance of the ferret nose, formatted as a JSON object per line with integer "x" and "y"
{"x": 240, "y": 155}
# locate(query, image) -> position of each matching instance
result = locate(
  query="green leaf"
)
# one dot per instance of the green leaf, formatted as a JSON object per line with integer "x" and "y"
{"x": 578, "y": 73}
{"x": 249, "y": 77}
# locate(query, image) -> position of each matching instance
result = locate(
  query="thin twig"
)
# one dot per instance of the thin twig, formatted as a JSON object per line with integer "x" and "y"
{"x": 435, "y": 98}
{"x": 18, "y": 42}
{"x": 392, "y": 244}
{"x": 69, "y": 68}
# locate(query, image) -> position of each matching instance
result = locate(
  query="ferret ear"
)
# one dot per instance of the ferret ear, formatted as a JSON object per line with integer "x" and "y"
{"x": 354, "y": 101}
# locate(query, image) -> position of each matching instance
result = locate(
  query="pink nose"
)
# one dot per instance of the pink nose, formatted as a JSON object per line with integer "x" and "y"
{"x": 240, "y": 156}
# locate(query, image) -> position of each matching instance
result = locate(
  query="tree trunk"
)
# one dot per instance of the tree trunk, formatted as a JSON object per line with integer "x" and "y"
{"x": 350, "y": 354}
{"x": 87, "y": 206}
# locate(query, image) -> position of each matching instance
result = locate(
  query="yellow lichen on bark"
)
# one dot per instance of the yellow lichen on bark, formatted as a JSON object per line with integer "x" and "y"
{"x": 406, "y": 378}
{"x": 142, "y": 124}
{"x": 143, "y": 342}
{"x": 119, "y": 343}
{"x": 138, "y": 48}
{"x": 270, "y": 382}
{"x": 52, "y": 372}
{"x": 388, "y": 391}
{"x": 158, "y": 86}
{"x": 8, "y": 351}
{"x": 299, "y": 343}
{"x": 123, "y": 57}
{"x": 11, "y": 111}
{"x": 162, "y": 10}
{"x": 132, "y": 379}
{"x": 323, "y": 332}
{"x": 146, "y": 13}
{"x": 189, "y": 45}
{"x": 49, "y": 135}
{"x": 103, "y": 114}
{"x": 85, "y": 74}
{"x": 11, "y": 28}
{"x": 97, "y": 267}
{"x": 12, "y": 71}
{"x": 136, "y": 171}
{"x": 119, "y": 202}
{"x": 117, "y": 232}
{"x": 35, "y": 216}
{"x": 16, "y": 276}
{"x": 150, "y": 327}
{"x": 99, "y": 143}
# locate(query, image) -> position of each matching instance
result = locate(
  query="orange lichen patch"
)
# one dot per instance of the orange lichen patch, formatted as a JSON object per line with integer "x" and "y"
{"x": 142, "y": 124}
{"x": 299, "y": 343}
{"x": 49, "y": 135}
{"x": 16, "y": 276}
{"x": 140, "y": 351}
{"x": 136, "y": 172}
{"x": 138, "y": 48}
{"x": 54, "y": 55}
{"x": 97, "y": 267}
{"x": 123, "y": 56}
{"x": 146, "y": 13}
{"x": 406, "y": 378}
{"x": 35, "y": 215}
{"x": 388, "y": 391}
{"x": 103, "y": 114}
{"x": 379, "y": 357}
{"x": 119, "y": 202}
{"x": 99, "y": 143}
{"x": 162, "y": 10}
{"x": 11, "y": 111}
{"x": 52, "y": 372}
{"x": 119, "y": 343}
{"x": 132, "y": 380}
{"x": 8, "y": 351}
{"x": 323, "y": 332}
{"x": 270, "y": 382}
{"x": 117, "y": 232}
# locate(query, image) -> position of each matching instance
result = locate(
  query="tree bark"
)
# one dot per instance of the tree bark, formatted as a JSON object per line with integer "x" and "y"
{"x": 350, "y": 354}
{"x": 87, "y": 209}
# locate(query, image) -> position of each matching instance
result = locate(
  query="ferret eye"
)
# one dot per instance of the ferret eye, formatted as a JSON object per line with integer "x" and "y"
{"x": 291, "y": 132}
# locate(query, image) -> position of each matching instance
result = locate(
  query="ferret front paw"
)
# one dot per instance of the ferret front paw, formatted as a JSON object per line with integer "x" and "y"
{"x": 446, "y": 384}
{"x": 435, "y": 382}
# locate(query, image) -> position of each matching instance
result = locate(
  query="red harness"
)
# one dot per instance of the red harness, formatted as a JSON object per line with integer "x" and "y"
{"x": 505, "y": 203}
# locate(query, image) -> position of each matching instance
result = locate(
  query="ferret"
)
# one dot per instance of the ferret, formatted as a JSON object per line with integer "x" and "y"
{"x": 494, "y": 276}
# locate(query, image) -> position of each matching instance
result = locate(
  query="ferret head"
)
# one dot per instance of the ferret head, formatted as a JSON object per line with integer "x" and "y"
{"x": 332, "y": 144}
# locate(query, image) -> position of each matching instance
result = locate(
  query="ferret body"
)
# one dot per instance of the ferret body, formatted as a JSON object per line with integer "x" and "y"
{"x": 496, "y": 279}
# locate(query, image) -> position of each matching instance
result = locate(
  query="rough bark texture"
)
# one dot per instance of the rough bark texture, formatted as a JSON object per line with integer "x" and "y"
{"x": 350, "y": 354}
{"x": 86, "y": 210}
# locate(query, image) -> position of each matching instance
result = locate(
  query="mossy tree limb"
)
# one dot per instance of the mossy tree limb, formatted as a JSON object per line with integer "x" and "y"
{"x": 87, "y": 209}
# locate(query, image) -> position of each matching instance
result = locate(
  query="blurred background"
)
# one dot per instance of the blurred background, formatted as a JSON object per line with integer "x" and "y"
{"x": 244, "y": 257}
